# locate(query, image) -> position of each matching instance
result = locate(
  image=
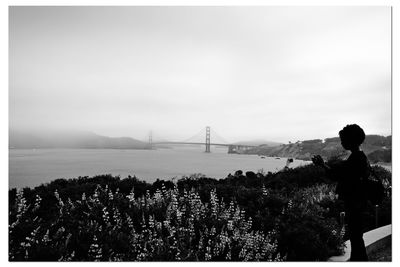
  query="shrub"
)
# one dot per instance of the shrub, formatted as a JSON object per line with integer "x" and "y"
{"x": 288, "y": 215}
{"x": 165, "y": 225}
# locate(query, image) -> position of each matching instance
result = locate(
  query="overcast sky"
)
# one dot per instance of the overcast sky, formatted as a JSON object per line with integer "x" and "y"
{"x": 274, "y": 73}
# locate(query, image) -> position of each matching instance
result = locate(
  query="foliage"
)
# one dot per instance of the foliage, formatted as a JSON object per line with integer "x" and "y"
{"x": 381, "y": 156}
{"x": 166, "y": 225}
{"x": 288, "y": 215}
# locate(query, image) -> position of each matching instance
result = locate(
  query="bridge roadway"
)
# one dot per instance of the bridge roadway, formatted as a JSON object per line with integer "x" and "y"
{"x": 198, "y": 143}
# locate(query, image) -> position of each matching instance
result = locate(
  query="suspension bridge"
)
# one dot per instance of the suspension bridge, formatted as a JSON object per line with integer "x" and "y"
{"x": 206, "y": 136}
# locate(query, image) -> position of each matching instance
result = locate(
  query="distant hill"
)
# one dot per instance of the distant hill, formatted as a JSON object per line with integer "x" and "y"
{"x": 19, "y": 139}
{"x": 377, "y": 148}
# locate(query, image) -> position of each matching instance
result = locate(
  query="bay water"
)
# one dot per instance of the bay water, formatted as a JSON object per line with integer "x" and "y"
{"x": 32, "y": 167}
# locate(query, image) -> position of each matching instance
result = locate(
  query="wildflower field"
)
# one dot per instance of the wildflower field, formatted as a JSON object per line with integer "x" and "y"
{"x": 291, "y": 215}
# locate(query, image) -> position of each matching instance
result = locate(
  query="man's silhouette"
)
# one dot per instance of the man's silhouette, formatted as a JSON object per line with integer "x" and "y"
{"x": 349, "y": 175}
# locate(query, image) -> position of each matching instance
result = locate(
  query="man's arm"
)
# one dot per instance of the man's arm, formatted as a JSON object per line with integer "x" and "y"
{"x": 317, "y": 160}
{"x": 335, "y": 172}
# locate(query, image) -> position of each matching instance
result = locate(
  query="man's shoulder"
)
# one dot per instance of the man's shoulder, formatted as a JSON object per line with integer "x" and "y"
{"x": 358, "y": 156}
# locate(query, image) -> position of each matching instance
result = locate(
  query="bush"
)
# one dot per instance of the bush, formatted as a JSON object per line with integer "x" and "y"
{"x": 172, "y": 226}
{"x": 289, "y": 215}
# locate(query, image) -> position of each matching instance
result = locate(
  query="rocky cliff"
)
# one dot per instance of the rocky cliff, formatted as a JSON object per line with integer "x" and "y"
{"x": 377, "y": 148}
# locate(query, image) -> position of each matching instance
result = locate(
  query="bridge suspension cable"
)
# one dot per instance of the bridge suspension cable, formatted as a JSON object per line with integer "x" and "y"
{"x": 213, "y": 136}
{"x": 198, "y": 137}
{"x": 217, "y": 138}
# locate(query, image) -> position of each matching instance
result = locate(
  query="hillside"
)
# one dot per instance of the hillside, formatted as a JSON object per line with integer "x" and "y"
{"x": 23, "y": 140}
{"x": 377, "y": 148}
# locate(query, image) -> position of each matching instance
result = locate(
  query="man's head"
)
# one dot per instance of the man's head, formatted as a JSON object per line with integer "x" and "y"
{"x": 352, "y": 136}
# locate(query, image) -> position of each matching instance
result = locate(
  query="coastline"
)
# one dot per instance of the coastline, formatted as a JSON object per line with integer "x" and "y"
{"x": 386, "y": 165}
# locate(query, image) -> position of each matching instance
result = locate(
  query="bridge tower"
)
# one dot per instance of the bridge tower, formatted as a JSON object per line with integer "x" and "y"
{"x": 208, "y": 141}
{"x": 151, "y": 140}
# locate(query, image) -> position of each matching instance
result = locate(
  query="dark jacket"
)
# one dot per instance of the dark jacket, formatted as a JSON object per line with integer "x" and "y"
{"x": 349, "y": 175}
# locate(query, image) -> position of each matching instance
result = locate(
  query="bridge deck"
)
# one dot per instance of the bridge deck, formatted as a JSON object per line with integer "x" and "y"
{"x": 197, "y": 143}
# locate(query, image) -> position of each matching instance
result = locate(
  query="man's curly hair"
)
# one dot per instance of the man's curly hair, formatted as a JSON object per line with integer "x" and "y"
{"x": 353, "y": 134}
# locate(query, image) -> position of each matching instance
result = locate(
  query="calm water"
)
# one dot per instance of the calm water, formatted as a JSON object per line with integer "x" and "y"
{"x": 29, "y": 167}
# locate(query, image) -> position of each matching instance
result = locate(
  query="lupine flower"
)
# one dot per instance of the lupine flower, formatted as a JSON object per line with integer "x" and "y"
{"x": 46, "y": 239}
{"x": 106, "y": 217}
{"x": 38, "y": 200}
{"x": 264, "y": 190}
{"x": 95, "y": 251}
{"x": 110, "y": 195}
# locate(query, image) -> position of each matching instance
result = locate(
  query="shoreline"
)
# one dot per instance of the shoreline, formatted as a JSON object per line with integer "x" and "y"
{"x": 386, "y": 165}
